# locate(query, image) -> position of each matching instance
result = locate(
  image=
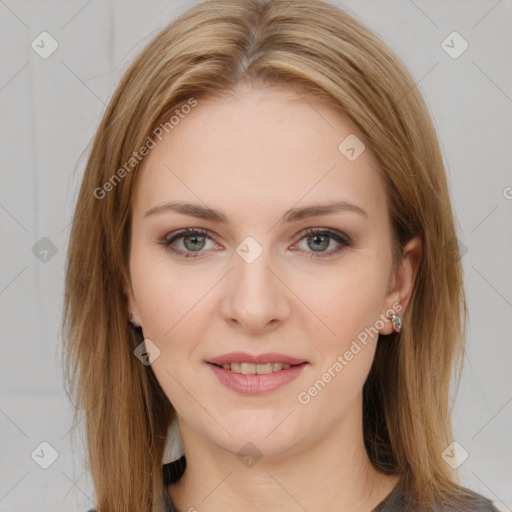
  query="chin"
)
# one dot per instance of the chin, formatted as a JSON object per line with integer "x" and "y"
{"x": 268, "y": 439}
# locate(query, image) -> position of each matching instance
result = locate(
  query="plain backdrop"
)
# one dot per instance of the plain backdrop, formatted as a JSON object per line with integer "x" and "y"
{"x": 50, "y": 108}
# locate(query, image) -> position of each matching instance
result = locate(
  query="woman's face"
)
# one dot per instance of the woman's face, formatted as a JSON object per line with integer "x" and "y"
{"x": 256, "y": 281}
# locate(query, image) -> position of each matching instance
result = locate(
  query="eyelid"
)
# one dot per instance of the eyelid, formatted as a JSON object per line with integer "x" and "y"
{"x": 341, "y": 238}
{"x": 187, "y": 232}
{"x": 334, "y": 233}
{"x": 181, "y": 233}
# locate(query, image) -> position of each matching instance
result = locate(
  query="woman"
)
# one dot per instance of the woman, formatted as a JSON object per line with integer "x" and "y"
{"x": 263, "y": 261}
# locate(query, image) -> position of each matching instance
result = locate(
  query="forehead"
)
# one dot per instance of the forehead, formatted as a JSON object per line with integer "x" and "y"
{"x": 258, "y": 149}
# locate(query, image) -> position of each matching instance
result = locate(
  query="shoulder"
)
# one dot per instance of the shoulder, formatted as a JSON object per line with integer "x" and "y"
{"x": 477, "y": 502}
{"x": 466, "y": 500}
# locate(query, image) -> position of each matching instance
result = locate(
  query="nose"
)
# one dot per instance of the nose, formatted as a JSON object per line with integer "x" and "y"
{"x": 255, "y": 297}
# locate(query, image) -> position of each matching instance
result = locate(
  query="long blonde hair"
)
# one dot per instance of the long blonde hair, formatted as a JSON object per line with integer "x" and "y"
{"x": 326, "y": 54}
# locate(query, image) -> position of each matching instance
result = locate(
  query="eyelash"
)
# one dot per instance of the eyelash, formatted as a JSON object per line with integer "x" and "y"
{"x": 342, "y": 239}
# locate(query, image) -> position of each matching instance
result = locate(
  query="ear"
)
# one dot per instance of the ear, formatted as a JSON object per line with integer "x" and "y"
{"x": 401, "y": 283}
{"x": 133, "y": 310}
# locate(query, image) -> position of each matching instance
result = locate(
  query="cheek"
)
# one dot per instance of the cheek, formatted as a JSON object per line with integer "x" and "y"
{"x": 349, "y": 305}
{"x": 167, "y": 296}
{"x": 347, "y": 298}
{"x": 171, "y": 304}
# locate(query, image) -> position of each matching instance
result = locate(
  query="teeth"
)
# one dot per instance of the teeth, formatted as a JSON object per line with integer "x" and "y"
{"x": 253, "y": 369}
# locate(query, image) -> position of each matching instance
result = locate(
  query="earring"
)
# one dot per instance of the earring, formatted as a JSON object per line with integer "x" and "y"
{"x": 397, "y": 322}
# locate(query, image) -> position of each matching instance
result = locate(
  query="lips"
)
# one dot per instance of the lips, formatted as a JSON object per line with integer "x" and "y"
{"x": 256, "y": 384}
{"x": 249, "y": 374}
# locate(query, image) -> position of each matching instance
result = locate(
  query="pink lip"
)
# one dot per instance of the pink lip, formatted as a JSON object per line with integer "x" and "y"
{"x": 244, "y": 357}
{"x": 256, "y": 384}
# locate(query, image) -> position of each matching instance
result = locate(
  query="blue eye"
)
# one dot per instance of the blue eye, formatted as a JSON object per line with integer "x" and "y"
{"x": 194, "y": 241}
{"x": 321, "y": 238}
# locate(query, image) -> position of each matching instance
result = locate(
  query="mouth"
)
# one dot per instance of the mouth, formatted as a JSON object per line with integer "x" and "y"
{"x": 252, "y": 374}
{"x": 256, "y": 369}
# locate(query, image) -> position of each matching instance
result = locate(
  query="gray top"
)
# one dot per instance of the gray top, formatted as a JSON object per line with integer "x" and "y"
{"x": 396, "y": 501}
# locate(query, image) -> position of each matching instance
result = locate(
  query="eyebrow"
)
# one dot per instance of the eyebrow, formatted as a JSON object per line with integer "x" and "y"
{"x": 292, "y": 215}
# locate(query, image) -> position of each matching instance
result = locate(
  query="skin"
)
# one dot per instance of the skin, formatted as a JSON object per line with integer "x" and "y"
{"x": 254, "y": 157}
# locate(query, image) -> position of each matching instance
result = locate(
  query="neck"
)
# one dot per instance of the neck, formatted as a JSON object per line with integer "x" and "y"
{"x": 333, "y": 469}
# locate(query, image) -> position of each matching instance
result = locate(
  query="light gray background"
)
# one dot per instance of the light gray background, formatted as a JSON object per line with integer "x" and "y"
{"x": 49, "y": 111}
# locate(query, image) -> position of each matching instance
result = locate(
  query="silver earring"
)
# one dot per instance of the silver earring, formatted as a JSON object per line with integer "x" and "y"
{"x": 397, "y": 322}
